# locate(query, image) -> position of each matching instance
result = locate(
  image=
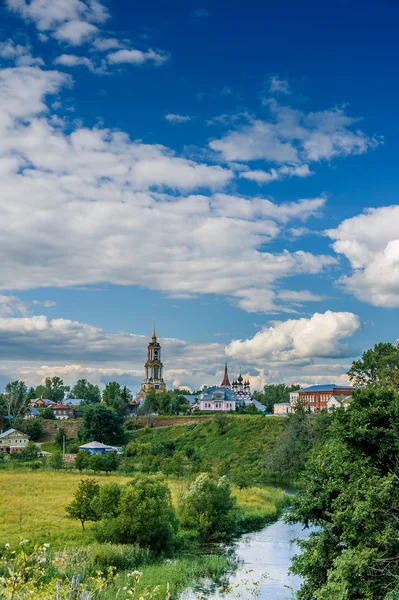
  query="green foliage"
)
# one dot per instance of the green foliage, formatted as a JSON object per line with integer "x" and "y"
{"x": 209, "y": 507}
{"x": 96, "y": 462}
{"x": 287, "y": 458}
{"x": 87, "y": 391}
{"x": 53, "y": 389}
{"x": 83, "y": 506}
{"x": 145, "y": 516}
{"x": 378, "y": 366}
{"x": 246, "y": 441}
{"x": 221, "y": 421}
{"x": 101, "y": 424}
{"x": 117, "y": 398}
{"x": 29, "y": 452}
{"x": 82, "y": 460}
{"x": 46, "y": 413}
{"x": 351, "y": 494}
{"x": 60, "y": 437}
{"x": 108, "y": 501}
{"x": 56, "y": 461}
{"x": 14, "y": 402}
{"x": 32, "y": 427}
{"x": 275, "y": 393}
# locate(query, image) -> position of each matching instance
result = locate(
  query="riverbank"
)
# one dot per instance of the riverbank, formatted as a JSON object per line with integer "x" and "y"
{"x": 35, "y": 510}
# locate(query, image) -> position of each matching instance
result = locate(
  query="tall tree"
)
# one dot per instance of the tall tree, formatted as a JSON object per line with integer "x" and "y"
{"x": 83, "y": 506}
{"x": 14, "y": 402}
{"x": 53, "y": 389}
{"x": 274, "y": 393}
{"x": 351, "y": 494}
{"x": 117, "y": 398}
{"x": 100, "y": 424}
{"x": 378, "y": 366}
{"x": 87, "y": 391}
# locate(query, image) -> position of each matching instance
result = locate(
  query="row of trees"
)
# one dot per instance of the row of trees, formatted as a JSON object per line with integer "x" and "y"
{"x": 141, "y": 512}
{"x": 350, "y": 490}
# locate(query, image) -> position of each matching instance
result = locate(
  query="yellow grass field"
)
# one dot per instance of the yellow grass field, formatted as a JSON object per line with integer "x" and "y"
{"x": 33, "y": 505}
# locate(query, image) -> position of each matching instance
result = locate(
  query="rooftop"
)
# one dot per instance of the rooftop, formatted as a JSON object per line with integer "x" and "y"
{"x": 95, "y": 445}
{"x": 328, "y": 387}
{"x": 9, "y": 432}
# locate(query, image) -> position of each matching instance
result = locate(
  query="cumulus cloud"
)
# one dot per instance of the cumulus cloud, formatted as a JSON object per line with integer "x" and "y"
{"x": 29, "y": 345}
{"x": 172, "y": 118}
{"x": 276, "y": 174}
{"x": 20, "y": 54}
{"x": 71, "y": 21}
{"x": 292, "y": 137}
{"x": 71, "y": 60}
{"x": 306, "y": 338}
{"x": 137, "y": 57}
{"x": 104, "y": 211}
{"x": 370, "y": 242}
{"x": 279, "y": 86}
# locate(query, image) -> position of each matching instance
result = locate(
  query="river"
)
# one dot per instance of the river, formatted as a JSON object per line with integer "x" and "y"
{"x": 263, "y": 560}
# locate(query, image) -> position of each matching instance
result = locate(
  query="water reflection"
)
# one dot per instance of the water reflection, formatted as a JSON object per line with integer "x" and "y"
{"x": 262, "y": 561}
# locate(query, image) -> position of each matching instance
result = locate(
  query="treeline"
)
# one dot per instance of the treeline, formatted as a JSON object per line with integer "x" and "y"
{"x": 350, "y": 488}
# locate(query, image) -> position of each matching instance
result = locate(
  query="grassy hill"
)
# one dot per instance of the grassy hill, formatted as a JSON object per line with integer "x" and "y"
{"x": 233, "y": 444}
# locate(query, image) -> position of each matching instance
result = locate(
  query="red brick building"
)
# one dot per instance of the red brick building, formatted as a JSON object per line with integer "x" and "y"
{"x": 316, "y": 397}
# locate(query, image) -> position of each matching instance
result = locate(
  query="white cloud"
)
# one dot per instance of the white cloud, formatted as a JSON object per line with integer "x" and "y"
{"x": 172, "y": 118}
{"x": 370, "y": 242}
{"x": 104, "y": 44}
{"x": 300, "y": 296}
{"x": 12, "y": 306}
{"x": 306, "y": 338}
{"x": 70, "y": 21}
{"x": 279, "y": 86}
{"x": 104, "y": 211}
{"x": 71, "y": 60}
{"x": 20, "y": 54}
{"x": 293, "y": 138}
{"x": 137, "y": 57}
{"x": 277, "y": 174}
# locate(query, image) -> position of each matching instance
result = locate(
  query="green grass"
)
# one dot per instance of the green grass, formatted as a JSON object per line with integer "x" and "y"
{"x": 244, "y": 444}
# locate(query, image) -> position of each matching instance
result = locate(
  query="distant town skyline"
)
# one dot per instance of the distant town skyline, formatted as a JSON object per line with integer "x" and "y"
{"x": 228, "y": 170}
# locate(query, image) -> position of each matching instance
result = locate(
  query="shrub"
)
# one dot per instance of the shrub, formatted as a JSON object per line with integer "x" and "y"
{"x": 146, "y": 516}
{"x": 209, "y": 507}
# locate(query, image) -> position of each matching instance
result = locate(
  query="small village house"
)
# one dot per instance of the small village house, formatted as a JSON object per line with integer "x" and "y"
{"x": 31, "y": 413}
{"x": 281, "y": 409}
{"x": 62, "y": 411}
{"x": 13, "y": 440}
{"x": 98, "y": 448}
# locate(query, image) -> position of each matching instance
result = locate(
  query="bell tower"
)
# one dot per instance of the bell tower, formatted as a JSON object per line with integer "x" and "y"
{"x": 153, "y": 379}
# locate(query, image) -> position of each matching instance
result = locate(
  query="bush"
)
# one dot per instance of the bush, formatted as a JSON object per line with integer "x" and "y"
{"x": 146, "y": 516}
{"x": 209, "y": 507}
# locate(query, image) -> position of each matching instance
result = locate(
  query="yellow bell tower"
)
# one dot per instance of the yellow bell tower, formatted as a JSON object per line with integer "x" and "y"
{"x": 153, "y": 379}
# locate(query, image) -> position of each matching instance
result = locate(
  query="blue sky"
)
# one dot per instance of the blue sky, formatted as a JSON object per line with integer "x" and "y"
{"x": 226, "y": 169}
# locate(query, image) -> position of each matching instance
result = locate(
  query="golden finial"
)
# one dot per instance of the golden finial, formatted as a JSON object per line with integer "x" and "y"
{"x": 154, "y": 335}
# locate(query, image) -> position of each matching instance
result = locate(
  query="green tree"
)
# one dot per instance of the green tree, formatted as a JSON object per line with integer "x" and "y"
{"x": 101, "y": 424}
{"x": 83, "y": 506}
{"x": 46, "y": 413}
{"x": 209, "y": 507}
{"x": 378, "y": 366}
{"x": 110, "y": 462}
{"x": 150, "y": 404}
{"x": 287, "y": 457}
{"x": 53, "y": 389}
{"x": 86, "y": 391}
{"x": 15, "y": 400}
{"x": 96, "y": 462}
{"x": 31, "y": 394}
{"x": 56, "y": 461}
{"x": 32, "y": 427}
{"x": 109, "y": 500}
{"x": 30, "y": 451}
{"x": 146, "y": 516}
{"x": 82, "y": 460}
{"x": 351, "y": 494}
{"x": 274, "y": 393}
{"x": 61, "y": 437}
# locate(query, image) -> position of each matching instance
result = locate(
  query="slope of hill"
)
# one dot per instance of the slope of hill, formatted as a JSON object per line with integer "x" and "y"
{"x": 231, "y": 445}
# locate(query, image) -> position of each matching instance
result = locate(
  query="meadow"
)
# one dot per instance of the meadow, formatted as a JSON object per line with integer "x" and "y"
{"x": 35, "y": 510}
{"x": 34, "y": 503}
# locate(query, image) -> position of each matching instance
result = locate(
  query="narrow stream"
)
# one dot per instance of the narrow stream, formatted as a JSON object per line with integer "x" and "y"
{"x": 263, "y": 561}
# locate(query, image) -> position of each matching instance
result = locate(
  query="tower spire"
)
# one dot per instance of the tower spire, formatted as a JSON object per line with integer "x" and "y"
{"x": 154, "y": 335}
{"x": 225, "y": 382}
